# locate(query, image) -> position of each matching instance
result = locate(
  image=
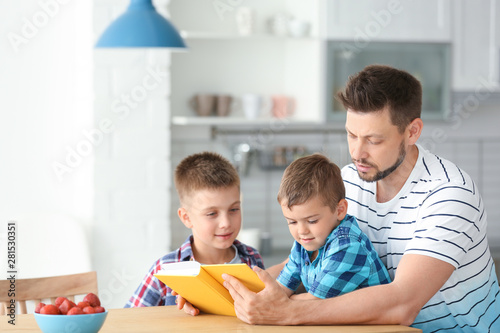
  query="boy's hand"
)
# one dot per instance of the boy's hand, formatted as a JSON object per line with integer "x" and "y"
{"x": 183, "y": 304}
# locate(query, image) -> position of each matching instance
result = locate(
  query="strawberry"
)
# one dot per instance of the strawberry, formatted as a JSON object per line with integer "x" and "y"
{"x": 83, "y": 305}
{"x": 75, "y": 311}
{"x": 99, "y": 309}
{"x": 50, "y": 309}
{"x": 39, "y": 306}
{"x": 88, "y": 310}
{"x": 66, "y": 306}
{"x": 92, "y": 299}
{"x": 59, "y": 301}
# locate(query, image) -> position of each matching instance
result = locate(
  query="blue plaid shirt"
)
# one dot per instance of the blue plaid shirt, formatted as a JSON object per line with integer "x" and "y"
{"x": 153, "y": 292}
{"x": 345, "y": 263}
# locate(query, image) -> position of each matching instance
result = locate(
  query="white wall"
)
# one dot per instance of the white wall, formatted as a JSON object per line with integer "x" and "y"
{"x": 46, "y": 98}
{"x": 132, "y": 164}
{"x": 46, "y": 103}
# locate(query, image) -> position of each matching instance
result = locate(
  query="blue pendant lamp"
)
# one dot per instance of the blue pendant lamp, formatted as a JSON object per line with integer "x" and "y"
{"x": 141, "y": 26}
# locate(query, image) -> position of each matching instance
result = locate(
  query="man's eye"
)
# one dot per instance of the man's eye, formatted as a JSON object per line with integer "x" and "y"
{"x": 291, "y": 222}
{"x": 211, "y": 214}
{"x": 235, "y": 209}
{"x": 312, "y": 221}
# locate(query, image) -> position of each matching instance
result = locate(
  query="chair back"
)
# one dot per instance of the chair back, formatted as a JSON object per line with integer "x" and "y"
{"x": 38, "y": 289}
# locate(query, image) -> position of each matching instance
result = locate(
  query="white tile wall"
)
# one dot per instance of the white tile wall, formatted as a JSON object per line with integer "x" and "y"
{"x": 132, "y": 164}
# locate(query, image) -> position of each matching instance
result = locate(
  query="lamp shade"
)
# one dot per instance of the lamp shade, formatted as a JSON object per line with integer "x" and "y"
{"x": 141, "y": 26}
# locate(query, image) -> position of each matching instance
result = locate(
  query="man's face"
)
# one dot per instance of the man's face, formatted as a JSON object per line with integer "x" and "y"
{"x": 375, "y": 144}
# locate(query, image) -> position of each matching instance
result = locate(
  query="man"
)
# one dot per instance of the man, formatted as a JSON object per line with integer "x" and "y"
{"x": 422, "y": 213}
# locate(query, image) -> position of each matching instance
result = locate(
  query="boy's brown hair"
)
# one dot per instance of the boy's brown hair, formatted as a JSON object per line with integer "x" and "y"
{"x": 311, "y": 176}
{"x": 379, "y": 86}
{"x": 202, "y": 171}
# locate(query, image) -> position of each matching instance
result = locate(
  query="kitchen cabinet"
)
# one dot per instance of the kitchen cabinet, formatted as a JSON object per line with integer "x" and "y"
{"x": 363, "y": 21}
{"x": 222, "y": 60}
{"x": 429, "y": 62}
{"x": 476, "y": 43}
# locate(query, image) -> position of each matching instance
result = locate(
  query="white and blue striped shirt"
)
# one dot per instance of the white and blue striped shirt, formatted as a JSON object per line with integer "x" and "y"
{"x": 438, "y": 213}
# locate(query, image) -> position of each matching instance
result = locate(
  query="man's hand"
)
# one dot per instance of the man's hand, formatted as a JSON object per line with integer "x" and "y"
{"x": 182, "y": 304}
{"x": 266, "y": 307}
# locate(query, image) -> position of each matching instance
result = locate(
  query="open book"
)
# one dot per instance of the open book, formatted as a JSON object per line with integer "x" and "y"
{"x": 202, "y": 285}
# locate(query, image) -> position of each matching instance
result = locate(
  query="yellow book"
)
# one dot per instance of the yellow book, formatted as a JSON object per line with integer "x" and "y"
{"x": 202, "y": 285}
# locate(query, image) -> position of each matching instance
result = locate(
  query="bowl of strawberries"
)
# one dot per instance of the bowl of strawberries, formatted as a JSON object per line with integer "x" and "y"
{"x": 64, "y": 315}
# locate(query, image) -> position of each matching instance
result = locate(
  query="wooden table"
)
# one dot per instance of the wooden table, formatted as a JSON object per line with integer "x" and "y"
{"x": 168, "y": 318}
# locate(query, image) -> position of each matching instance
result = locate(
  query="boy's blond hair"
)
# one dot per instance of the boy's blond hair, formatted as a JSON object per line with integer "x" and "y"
{"x": 311, "y": 176}
{"x": 202, "y": 171}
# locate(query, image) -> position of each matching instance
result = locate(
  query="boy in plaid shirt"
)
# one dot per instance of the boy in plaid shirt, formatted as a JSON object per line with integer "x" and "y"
{"x": 209, "y": 191}
{"x": 331, "y": 255}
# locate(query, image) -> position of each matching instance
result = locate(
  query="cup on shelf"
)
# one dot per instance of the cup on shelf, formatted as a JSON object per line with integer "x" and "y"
{"x": 203, "y": 104}
{"x": 282, "y": 106}
{"x": 224, "y": 105}
{"x": 278, "y": 24}
{"x": 298, "y": 28}
{"x": 245, "y": 20}
{"x": 254, "y": 105}
{"x": 212, "y": 104}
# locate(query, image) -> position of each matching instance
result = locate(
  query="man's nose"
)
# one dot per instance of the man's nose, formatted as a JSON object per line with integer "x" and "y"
{"x": 358, "y": 150}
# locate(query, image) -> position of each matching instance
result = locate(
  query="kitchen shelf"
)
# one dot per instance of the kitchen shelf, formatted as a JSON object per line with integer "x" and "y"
{"x": 221, "y": 36}
{"x": 216, "y": 121}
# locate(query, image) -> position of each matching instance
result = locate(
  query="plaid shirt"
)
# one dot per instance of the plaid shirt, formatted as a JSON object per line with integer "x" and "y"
{"x": 153, "y": 292}
{"x": 345, "y": 263}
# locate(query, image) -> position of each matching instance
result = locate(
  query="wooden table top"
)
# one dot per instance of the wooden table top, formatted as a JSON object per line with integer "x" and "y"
{"x": 168, "y": 318}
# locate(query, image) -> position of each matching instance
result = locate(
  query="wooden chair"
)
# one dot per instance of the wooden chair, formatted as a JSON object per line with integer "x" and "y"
{"x": 52, "y": 287}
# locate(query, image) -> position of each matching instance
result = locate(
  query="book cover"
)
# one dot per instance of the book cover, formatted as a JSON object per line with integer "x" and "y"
{"x": 202, "y": 285}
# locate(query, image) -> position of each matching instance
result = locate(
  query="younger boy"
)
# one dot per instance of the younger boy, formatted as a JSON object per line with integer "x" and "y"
{"x": 209, "y": 192}
{"x": 330, "y": 255}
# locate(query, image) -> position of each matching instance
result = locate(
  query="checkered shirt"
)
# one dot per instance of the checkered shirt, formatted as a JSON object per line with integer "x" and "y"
{"x": 345, "y": 263}
{"x": 153, "y": 292}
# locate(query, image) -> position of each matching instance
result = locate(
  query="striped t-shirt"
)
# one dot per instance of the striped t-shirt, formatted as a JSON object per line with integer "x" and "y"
{"x": 438, "y": 213}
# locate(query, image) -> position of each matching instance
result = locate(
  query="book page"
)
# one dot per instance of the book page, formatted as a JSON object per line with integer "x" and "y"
{"x": 186, "y": 268}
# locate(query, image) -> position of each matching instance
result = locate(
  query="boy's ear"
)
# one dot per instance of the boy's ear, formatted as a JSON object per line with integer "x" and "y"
{"x": 341, "y": 209}
{"x": 184, "y": 216}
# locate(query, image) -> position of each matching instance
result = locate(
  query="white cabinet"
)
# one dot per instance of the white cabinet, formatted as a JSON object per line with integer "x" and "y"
{"x": 476, "y": 45}
{"x": 362, "y": 21}
{"x": 220, "y": 60}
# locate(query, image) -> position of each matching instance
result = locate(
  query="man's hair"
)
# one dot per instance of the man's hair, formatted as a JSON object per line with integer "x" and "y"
{"x": 311, "y": 176}
{"x": 379, "y": 86}
{"x": 202, "y": 171}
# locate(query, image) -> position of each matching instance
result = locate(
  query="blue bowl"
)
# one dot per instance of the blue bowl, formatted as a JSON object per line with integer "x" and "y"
{"x": 86, "y": 323}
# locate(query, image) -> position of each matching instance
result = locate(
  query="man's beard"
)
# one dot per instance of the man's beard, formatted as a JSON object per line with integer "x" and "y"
{"x": 382, "y": 174}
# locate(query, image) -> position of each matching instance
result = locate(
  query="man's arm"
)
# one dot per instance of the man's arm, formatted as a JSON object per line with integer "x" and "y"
{"x": 417, "y": 279}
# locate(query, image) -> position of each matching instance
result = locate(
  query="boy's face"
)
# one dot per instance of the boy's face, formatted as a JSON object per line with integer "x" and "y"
{"x": 311, "y": 222}
{"x": 214, "y": 217}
